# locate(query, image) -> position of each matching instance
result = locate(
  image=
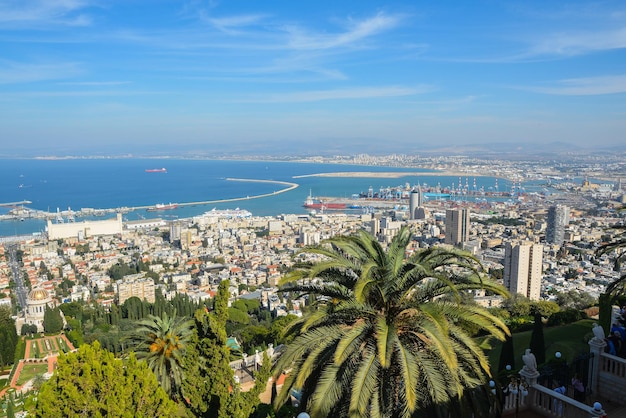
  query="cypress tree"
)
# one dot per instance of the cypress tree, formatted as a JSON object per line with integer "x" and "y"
{"x": 507, "y": 355}
{"x": 537, "y": 342}
{"x": 8, "y": 337}
{"x": 52, "y": 321}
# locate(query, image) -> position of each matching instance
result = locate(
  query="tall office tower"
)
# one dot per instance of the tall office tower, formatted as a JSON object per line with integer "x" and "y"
{"x": 415, "y": 202}
{"x": 457, "y": 226}
{"x": 522, "y": 269}
{"x": 558, "y": 219}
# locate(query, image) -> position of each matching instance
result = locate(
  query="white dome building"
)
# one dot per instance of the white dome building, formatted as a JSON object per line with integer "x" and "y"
{"x": 36, "y": 303}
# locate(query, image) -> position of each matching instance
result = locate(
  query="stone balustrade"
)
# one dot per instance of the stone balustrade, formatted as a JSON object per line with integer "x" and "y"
{"x": 612, "y": 377}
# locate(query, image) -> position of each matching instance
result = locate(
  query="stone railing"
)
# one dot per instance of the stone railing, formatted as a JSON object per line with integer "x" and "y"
{"x": 612, "y": 377}
{"x": 547, "y": 403}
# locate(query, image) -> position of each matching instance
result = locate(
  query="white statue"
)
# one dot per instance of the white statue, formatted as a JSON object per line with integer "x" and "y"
{"x": 598, "y": 332}
{"x": 530, "y": 362}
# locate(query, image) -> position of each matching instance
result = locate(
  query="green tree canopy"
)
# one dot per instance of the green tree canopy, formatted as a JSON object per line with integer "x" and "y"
{"x": 92, "y": 382}
{"x": 380, "y": 340}
{"x": 209, "y": 384}
{"x": 52, "y": 320}
{"x": 8, "y": 337}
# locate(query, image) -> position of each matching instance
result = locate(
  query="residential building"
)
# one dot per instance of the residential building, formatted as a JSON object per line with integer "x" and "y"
{"x": 523, "y": 269}
{"x": 135, "y": 285}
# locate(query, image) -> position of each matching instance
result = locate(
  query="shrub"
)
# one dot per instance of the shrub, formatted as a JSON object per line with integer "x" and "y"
{"x": 566, "y": 317}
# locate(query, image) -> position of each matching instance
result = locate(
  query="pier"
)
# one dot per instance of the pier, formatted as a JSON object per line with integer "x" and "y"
{"x": 16, "y": 204}
{"x": 69, "y": 214}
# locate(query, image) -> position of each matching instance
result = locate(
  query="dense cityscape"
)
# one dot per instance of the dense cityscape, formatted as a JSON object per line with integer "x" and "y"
{"x": 329, "y": 209}
{"x": 99, "y": 277}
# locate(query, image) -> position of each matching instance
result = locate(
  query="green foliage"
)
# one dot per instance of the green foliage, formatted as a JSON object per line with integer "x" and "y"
{"x": 605, "y": 303}
{"x": 52, "y": 321}
{"x": 8, "y": 337}
{"x": 278, "y": 327}
{"x": 237, "y": 316}
{"x": 28, "y": 329}
{"x": 10, "y": 409}
{"x": 161, "y": 342}
{"x": 507, "y": 355}
{"x": 92, "y": 382}
{"x": 20, "y": 350}
{"x": 208, "y": 376}
{"x": 379, "y": 339}
{"x": 72, "y": 310}
{"x": 544, "y": 308}
{"x": 566, "y": 317}
{"x": 570, "y": 340}
{"x": 241, "y": 305}
{"x": 574, "y": 299}
{"x": 537, "y": 341}
{"x": 120, "y": 269}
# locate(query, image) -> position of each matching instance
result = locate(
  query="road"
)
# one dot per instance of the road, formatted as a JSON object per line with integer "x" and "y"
{"x": 20, "y": 291}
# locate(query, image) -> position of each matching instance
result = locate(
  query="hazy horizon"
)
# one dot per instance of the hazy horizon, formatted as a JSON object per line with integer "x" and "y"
{"x": 83, "y": 77}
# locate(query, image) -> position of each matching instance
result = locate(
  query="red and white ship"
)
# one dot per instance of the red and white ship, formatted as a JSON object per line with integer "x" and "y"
{"x": 312, "y": 203}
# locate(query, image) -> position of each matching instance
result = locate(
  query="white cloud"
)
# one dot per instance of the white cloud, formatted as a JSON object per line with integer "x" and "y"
{"x": 94, "y": 83}
{"x": 44, "y": 12}
{"x": 226, "y": 24}
{"x": 357, "y": 31}
{"x": 341, "y": 94}
{"x": 569, "y": 44}
{"x": 587, "y": 86}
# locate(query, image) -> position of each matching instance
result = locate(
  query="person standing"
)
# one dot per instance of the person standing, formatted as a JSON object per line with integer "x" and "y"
{"x": 579, "y": 388}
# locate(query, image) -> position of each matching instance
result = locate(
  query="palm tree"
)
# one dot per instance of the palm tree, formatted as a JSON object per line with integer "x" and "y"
{"x": 381, "y": 339}
{"x": 161, "y": 343}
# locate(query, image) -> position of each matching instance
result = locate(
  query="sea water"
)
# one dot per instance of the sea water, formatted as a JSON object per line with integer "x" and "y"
{"x": 100, "y": 183}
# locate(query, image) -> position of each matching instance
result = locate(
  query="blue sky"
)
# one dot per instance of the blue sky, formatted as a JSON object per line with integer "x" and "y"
{"x": 80, "y": 76}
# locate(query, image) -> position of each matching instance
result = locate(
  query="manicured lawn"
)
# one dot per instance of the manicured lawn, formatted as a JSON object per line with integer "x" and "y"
{"x": 31, "y": 370}
{"x": 34, "y": 349}
{"x": 62, "y": 344}
{"x": 570, "y": 340}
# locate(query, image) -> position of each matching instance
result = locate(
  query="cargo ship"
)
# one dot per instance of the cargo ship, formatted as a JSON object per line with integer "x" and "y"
{"x": 311, "y": 203}
{"x": 161, "y": 206}
{"x": 156, "y": 170}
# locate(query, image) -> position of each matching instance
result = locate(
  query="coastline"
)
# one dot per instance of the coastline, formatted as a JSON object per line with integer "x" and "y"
{"x": 396, "y": 174}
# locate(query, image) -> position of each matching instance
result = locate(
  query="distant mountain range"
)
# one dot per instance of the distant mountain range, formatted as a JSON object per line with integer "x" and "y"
{"x": 328, "y": 147}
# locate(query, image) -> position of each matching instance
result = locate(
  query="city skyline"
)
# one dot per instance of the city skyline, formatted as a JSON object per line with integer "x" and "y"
{"x": 86, "y": 77}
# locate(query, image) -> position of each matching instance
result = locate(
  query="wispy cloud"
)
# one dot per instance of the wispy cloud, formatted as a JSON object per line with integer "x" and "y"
{"x": 357, "y": 30}
{"x": 340, "y": 94}
{"x": 94, "y": 83}
{"x": 577, "y": 43}
{"x": 230, "y": 24}
{"x": 588, "y": 86}
{"x": 44, "y": 12}
{"x": 14, "y": 72}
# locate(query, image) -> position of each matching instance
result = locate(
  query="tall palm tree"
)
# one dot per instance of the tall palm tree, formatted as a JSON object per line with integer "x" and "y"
{"x": 381, "y": 339}
{"x": 161, "y": 343}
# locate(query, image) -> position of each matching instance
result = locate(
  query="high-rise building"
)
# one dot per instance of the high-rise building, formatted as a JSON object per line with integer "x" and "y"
{"x": 558, "y": 219}
{"x": 457, "y": 226}
{"x": 523, "y": 268}
{"x": 415, "y": 202}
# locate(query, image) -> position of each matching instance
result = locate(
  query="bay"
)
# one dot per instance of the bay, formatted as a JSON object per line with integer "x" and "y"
{"x": 100, "y": 183}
